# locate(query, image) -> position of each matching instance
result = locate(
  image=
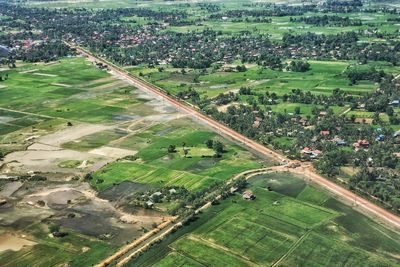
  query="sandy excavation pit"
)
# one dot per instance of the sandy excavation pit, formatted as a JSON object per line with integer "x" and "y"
{"x": 46, "y": 161}
{"x": 56, "y": 199}
{"x": 74, "y": 206}
{"x": 13, "y": 242}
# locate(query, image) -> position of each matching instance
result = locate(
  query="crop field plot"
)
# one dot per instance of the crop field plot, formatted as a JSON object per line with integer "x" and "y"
{"x": 312, "y": 195}
{"x": 147, "y": 174}
{"x": 158, "y": 146}
{"x": 323, "y": 78}
{"x": 253, "y": 232}
{"x": 307, "y": 228}
{"x": 95, "y": 140}
{"x": 38, "y": 99}
{"x": 195, "y": 171}
{"x": 305, "y": 109}
{"x": 176, "y": 259}
{"x": 206, "y": 254}
{"x": 300, "y": 213}
{"x": 66, "y": 89}
{"x": 51, "y": 252}
{"x": 251, "y": 239}
{"x": 283, "y": 183}
{"x": 360, "y": 231}
{"x": 12, "y": 121}
{"x": 281, "y": 25}
{"x": 316, "y": 250}
{"x": 153, "y": 164}
{"x": 367, "y": 115}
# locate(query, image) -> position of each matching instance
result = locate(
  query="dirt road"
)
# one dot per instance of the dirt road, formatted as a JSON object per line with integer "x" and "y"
{"x": 365, "y": 206}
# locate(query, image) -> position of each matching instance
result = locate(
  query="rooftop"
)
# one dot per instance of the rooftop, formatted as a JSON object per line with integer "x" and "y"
{"x": 3, "y": 51}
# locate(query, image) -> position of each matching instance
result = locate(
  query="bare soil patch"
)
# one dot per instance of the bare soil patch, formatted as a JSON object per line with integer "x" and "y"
{"x": 44, "y": 74}
{"x": 102, "y": 80}
{"x": 9, "y": 188}
{"x": 113, "y": 85}
{"x": 72, "y": 133}
{"x": 61, "y": 84}
{"x": 112, "y": 152}
{"x": 224, "y": 108}
{"x": 28, "y": 71}
{"x": 43, "y": 147}
{"x": 13, "y": 242}
{"x": 56, "y": 198}
{"x": 47, "y": 161}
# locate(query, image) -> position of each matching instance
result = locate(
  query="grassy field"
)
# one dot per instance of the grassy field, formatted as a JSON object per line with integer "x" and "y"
{"x": 41, "y": 98}
{"x": 299, "y": 226}
{"x": 367, "y": 115}
{"x": 305, "y": 109}
{"x": 281, "y": 25}
{"x": 323, "y": 78}
{"x": 70, "y": 89}
{"x": 147, "y": 174}
{"x": 276, "y": 29}
{"x": 154, "y": 165}
{"x": 132, "y": 3}
{"x": 52, "y": 251}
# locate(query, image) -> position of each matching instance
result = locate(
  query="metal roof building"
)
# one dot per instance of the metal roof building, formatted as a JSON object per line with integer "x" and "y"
{"x": 3, "y": 51}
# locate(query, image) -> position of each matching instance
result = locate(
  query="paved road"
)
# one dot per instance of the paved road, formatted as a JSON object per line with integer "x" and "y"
{"x": 365, "y": 206}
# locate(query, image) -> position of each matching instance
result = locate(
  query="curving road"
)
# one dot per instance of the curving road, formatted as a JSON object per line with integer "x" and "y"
{"x": 366, "y": 207}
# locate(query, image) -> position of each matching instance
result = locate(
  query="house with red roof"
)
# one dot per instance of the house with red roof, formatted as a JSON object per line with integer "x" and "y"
{"x": 324, "y": 133}
{"x": 361, "y": 144}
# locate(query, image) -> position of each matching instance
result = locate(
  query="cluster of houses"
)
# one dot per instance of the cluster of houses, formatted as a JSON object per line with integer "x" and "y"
{"x": 17, "y": 45}
{"x": 362, "y": 143}
{"x": 257, "y": 122}
{"x": 156, "y": 197}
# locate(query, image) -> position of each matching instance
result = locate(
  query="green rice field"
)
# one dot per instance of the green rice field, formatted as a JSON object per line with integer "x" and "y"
{"x": 294, "y": 224}
{"x": 154, "y": 165}
{"x": 323, "y": 78}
